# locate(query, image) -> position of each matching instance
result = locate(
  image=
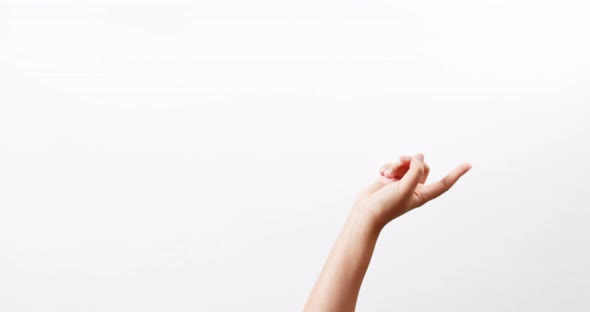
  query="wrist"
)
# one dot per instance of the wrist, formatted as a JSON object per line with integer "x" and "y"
{"x": 366, "y": 219}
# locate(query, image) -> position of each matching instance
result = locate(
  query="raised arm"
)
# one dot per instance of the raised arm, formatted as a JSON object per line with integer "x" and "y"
{"x": 400, "y": 188}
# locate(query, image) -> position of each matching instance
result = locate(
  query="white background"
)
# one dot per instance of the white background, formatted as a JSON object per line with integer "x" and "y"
{"x": 202, "y": 156}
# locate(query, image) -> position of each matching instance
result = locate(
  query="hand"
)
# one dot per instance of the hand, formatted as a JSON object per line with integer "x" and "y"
{"x": 402, "y": 187}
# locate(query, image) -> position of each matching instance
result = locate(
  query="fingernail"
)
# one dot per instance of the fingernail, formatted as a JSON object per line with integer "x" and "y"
{"x": 420, "y": 157}
{"x": 387, "y": 172}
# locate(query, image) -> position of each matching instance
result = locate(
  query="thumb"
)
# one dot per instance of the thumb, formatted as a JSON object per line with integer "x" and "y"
{"x": 411, "y": 179}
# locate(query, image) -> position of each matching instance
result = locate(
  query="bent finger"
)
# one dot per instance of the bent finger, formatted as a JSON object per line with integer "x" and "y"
{"x": 410, "y": 180}
{"x": 425, "y": 175}
{"x": 397, "y": 169}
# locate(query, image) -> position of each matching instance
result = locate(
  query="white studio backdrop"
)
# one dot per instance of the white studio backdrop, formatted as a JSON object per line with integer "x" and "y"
{"x": 202, "y": 155}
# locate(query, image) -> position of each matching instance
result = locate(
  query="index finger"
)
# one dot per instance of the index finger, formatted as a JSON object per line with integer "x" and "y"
{"x": 435, "y": 189}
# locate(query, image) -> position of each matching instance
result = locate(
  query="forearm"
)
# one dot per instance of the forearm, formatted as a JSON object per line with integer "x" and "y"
{"x": 399, "y": 188}
{"x": 340, "y": 280}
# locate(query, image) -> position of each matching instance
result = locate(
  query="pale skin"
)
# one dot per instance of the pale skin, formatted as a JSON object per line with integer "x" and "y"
{"x": 400, "y": 187}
